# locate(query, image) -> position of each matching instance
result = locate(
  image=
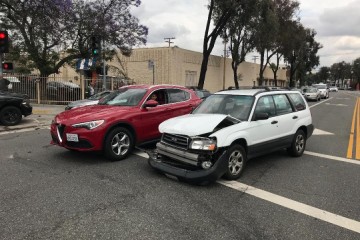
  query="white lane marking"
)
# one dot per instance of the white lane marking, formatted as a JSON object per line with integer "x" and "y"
{"x": 321, "y": 132}
{"x": 341, "y": 159}
{"x": 23, "y": 130}
{"x": 329, "y": 217}
{"x": 336, "y": 104}
{"x": 321, "y": 102}
{"x": 294, "y": 205}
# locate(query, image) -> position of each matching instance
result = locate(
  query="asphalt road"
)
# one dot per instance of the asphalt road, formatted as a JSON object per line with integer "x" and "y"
{"x": 47, "y": 192}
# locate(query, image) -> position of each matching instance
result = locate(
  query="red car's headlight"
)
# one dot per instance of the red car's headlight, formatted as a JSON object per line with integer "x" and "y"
{"x": 89, "y": 125}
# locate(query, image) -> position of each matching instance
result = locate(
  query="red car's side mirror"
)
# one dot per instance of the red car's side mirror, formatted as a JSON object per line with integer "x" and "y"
{"x": 150, "y": 103}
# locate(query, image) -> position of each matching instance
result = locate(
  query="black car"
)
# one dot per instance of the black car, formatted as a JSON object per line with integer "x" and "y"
{"x": 63, "y": 91}
{"x": 13, "y": 106}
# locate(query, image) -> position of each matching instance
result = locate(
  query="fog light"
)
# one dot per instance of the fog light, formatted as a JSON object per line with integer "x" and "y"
{"x": 206, "y": 164}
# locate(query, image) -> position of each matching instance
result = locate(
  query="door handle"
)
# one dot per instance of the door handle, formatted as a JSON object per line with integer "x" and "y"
{"x": 295, "y": 117}
{"x": 274, "y": 122}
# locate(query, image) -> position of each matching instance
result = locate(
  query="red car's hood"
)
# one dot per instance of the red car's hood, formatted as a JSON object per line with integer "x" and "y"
{"x": 95, "y": 112}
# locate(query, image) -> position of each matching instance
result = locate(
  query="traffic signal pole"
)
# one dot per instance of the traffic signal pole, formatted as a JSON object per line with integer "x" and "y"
{"x": 103, "y": 62}
{"x": 1, "y": 67}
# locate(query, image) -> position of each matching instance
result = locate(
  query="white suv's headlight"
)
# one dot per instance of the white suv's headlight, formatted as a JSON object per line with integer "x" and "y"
{"x": 203, "y": 144}
{"x": 89, "y": 125}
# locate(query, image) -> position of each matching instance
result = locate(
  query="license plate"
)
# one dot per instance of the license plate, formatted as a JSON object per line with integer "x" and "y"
{"x": 70, "y": 137}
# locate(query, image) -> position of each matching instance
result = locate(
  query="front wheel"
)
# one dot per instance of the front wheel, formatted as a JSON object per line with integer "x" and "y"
{"x": 236, "y": 158}
{"x": 10, "y": 116}
{"x": 298, "y": 144}
{"x": 118, "y": 144}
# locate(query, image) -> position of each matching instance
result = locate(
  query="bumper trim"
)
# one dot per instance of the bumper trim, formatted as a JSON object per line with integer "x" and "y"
{"x": 197, "y": 176}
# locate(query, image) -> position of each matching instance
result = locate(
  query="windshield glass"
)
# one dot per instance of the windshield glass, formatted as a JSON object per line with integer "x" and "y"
{"x": 98, "y": 95}
{"x": 124, "y": 97}
{"x": 237, "y": 106}
{"x": 312, "y": 90}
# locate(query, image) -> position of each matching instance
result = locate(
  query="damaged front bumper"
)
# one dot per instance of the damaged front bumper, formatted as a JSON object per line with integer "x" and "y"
{"x": 170, "y": 161}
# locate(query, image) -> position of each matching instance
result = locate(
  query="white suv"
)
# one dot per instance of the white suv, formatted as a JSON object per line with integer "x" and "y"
{"x": 323, "y": 88}
{"x": 229, "y": 128}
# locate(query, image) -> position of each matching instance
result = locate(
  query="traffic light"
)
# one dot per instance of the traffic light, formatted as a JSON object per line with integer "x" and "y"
{"x": 4, "y": 42}
{"x": 7, "y": 66}
{"x": 95, "y": 45}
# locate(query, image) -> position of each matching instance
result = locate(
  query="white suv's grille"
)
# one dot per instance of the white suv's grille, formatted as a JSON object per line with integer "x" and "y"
{"x": 177, "y": 141}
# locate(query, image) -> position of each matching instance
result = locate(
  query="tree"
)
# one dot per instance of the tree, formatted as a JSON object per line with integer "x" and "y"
{"x": 301, "y": 54}
{"x": 51, "y": 33}
{"x": 220, "y": 11}
{"x": 286, "y": 11}
{"x": 324, "y": 74}
{"x": 266, "y": 32}
{"x": 355, "y": 72}
{"x": 240, "y": 32}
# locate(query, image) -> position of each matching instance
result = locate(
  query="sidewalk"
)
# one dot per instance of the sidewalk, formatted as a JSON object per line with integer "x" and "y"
{"x": 42, "y": 116}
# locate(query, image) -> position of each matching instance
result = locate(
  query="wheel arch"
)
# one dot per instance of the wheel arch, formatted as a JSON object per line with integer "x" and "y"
{"x": 242, "y": 142}
{"x": 304, "y": 129}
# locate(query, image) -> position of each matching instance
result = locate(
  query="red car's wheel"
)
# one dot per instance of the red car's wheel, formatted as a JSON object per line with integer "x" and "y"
{"x": 118, "y": 144}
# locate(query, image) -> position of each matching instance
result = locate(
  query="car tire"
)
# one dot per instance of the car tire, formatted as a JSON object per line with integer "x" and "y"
{"x": 236, "y": 157}
{"x": 10, "y": 116}
{"x": 298, "y": 144}
{"x": 118, "y": 144}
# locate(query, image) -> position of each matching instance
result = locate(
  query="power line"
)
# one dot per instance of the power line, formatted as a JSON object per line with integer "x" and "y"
{"x": 168, "y": 40}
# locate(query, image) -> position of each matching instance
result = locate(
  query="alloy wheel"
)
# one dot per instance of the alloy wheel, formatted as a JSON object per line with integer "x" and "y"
{"x": 235, "y": 162}
{"x": 120, "y": 144}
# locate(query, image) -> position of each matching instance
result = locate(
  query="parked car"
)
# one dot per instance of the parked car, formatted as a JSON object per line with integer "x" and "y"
{"x": 201, "y": 93}
{"x": 312, "y": 93}
{"x": 323, "y": 88}
{"x": 13, "y": 106}
{"x": 229, "y": 128}
{"x": 122, "y": 119}
{"x": 63, "y": 91}
{"x": 333, "y": 89}
{"x": 94, "y": 99}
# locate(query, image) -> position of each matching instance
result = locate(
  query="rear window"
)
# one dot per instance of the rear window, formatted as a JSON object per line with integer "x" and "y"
{"x": 297, "y": 101}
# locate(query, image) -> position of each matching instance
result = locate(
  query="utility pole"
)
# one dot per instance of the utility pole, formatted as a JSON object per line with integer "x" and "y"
{"x": 255, "y": 58}
{"x": 168, "y": 40}
{"x": 224, "y": 65}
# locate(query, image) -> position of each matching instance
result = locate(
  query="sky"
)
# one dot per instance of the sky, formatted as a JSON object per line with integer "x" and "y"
{"x": 337, "y": 24}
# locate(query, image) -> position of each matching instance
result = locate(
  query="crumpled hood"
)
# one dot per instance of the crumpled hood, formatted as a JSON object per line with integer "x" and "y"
{"x": 192, "y": 124}
{"x": 89, "y": 113}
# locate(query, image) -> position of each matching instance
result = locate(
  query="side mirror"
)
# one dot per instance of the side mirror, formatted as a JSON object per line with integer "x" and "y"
{"x": 150, "y": 103}
{"x": 261, "y": 116}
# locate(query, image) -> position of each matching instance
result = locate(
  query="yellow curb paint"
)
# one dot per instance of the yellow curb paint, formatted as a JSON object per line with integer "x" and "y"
{"x": 352, "y": 131}
{"x": 357, "y": 145}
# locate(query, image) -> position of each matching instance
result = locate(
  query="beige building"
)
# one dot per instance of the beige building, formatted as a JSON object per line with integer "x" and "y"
{"x": 174, "y": 65}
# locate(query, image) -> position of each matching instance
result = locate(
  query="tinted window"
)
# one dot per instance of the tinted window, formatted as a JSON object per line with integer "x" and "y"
{"x": 177, "y": 95}
{"x": 298, "y": 101}
{"x": 266, "y": 105}
{"x": 282, "y": 104}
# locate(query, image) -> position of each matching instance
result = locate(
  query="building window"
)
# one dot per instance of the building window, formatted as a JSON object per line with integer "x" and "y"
{"x": 190, "y": 78}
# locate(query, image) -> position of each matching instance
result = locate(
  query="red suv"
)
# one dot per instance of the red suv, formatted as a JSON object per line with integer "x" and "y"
{"x": 123, "y": 119}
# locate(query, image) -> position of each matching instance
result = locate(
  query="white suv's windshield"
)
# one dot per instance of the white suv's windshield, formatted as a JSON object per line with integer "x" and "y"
{"x": 238, "y": 106}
